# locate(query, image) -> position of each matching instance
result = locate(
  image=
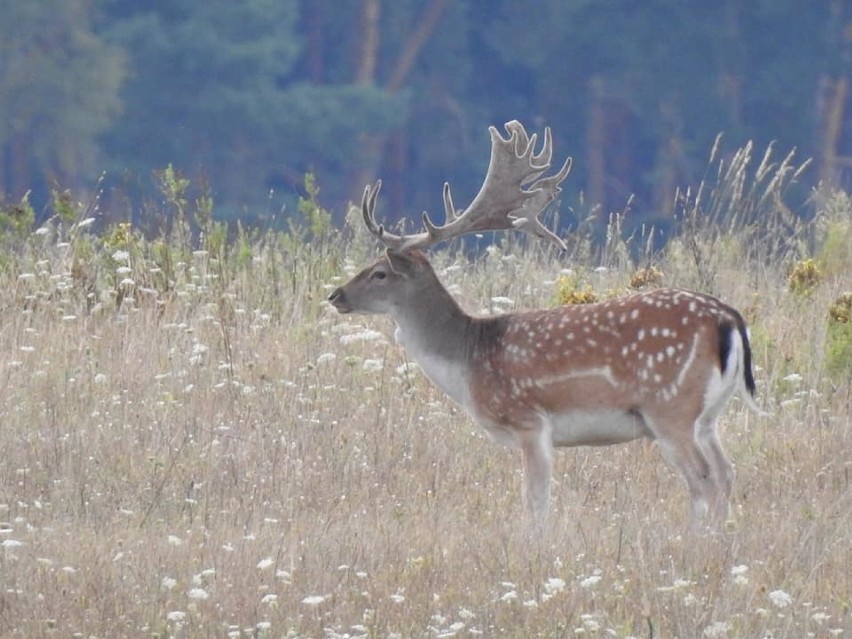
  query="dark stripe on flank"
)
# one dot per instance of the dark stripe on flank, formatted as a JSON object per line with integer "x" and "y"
{"x": 747, "y": 372}
{"x": 725, "y": 330}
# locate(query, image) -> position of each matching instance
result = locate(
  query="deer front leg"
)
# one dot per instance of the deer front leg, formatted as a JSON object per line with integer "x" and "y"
{"x": 537, "y": 455}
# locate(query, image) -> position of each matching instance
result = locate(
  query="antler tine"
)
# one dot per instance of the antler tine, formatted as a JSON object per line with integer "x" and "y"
{"x": 546, "y": 154}
{"x": 450, "y": 212}
{"x": 390, "y": 240}
{"x": 512, "y": 196}
{"x": 368, "y": 208}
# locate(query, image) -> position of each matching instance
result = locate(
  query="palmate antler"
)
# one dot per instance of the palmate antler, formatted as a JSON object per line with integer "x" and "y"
{"x": 511, "y": 197}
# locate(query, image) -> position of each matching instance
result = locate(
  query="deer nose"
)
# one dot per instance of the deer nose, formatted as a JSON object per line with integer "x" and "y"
{"x": 338, "y": 300}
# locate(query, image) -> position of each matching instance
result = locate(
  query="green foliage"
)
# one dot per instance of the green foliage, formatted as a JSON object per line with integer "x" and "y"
{"x": 838, "y": 348}
{"x": 17, "y": 219}
{"x": 174, "y": 187}
{"x": 647, "y": 277}
{"x": 59, "y": 91}
{"x": 840, "y": 312}
{"x": 834, "y": 234}
{"x": 572, "y": 289}
{"x": 63, "y": 205}
{"x": 318, "y": 219}
{"x": 804, "y": 277}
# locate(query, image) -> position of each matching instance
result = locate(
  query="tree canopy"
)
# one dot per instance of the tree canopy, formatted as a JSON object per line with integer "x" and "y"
{"x": 253, "y": 95}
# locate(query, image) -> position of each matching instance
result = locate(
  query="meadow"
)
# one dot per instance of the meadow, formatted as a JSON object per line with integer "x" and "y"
{"x": 194, "y": 444}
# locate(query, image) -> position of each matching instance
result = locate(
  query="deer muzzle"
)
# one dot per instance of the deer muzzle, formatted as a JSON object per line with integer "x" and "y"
{"x": 338, "y": 300}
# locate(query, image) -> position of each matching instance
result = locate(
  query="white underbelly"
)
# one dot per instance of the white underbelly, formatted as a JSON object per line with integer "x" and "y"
{"x": 595, "y": 428}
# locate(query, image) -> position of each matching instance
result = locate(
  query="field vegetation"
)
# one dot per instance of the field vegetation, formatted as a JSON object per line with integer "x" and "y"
{"x": 194, "y": 444}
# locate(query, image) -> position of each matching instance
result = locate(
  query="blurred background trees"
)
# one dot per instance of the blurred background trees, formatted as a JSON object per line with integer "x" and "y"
{"x": 248, "y": 97}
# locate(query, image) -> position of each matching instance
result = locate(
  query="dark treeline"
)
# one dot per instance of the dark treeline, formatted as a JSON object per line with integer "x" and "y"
{"x": 247, "y": 97}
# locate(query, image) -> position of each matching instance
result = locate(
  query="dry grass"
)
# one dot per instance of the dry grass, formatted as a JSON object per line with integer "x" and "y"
{"x": 228, "y": 457}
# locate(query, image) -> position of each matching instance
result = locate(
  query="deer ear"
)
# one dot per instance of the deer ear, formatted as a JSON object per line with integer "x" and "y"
{"x": 400, "y": 263}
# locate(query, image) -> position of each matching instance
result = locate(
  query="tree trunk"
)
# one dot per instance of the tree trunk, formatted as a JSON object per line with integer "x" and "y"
{"x": 369, "y": 54}
{"x": 374, "y": 146}
{"x": 425, "y": 27}
{"x": 837, "y": 93}
{"x": 595, "y": 146}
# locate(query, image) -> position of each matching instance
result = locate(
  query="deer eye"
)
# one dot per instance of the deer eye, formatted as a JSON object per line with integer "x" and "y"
{"x": 378, "y": 275}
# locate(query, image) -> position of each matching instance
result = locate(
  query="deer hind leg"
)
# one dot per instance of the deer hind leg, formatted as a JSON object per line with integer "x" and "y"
{"x": 720, "y": 466}
{"x": 680, "y": 448}
{"x": 537, "y": 455}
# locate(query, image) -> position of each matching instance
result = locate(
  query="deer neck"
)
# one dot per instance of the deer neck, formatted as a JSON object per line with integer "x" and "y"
{"x": 441, "y": 338}
{"x": 435, "y": 326}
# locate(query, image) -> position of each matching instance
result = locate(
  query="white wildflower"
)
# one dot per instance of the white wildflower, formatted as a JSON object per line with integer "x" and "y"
{"x": 177, "y": 616}
{"x": 199, "y": 594}
{"x": 590, "y": 581}
{"x": 373, "y": 365}
{"x": 367, "y": 335}
{"x": 326, "y": 357}
{"x": 554, "y": 585}
{"x": 198, "y": 352}
{"x": 269, "y": 599}
{"x": 174, "y": 540}
{"x": 11, "y": 543}
{"x": 511, "y": 595}
{"x": 263, "y": 564}
{"x": 407, "y": 369}
{"x": 793, "y": 378}
{"x": 716, "y": 629}
{"x": 397, "y": 598}
{"x": 121, "y": 256}
{"x": 590, "y": 623}
{"x": 168, "y": 583}
{"x": 313, "y": 600}
{"x": 504, "y": 301}
{"x": 780, "y": 599}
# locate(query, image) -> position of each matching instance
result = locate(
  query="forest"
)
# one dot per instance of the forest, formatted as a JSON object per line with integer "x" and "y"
{"x": 245, "y": 99}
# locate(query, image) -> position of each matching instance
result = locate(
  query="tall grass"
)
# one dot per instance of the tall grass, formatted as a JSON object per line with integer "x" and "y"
{"x": 194, "y": 443}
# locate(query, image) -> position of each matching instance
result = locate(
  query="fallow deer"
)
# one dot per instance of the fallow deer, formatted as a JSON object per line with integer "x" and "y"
{"x": 660, "y": 364}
